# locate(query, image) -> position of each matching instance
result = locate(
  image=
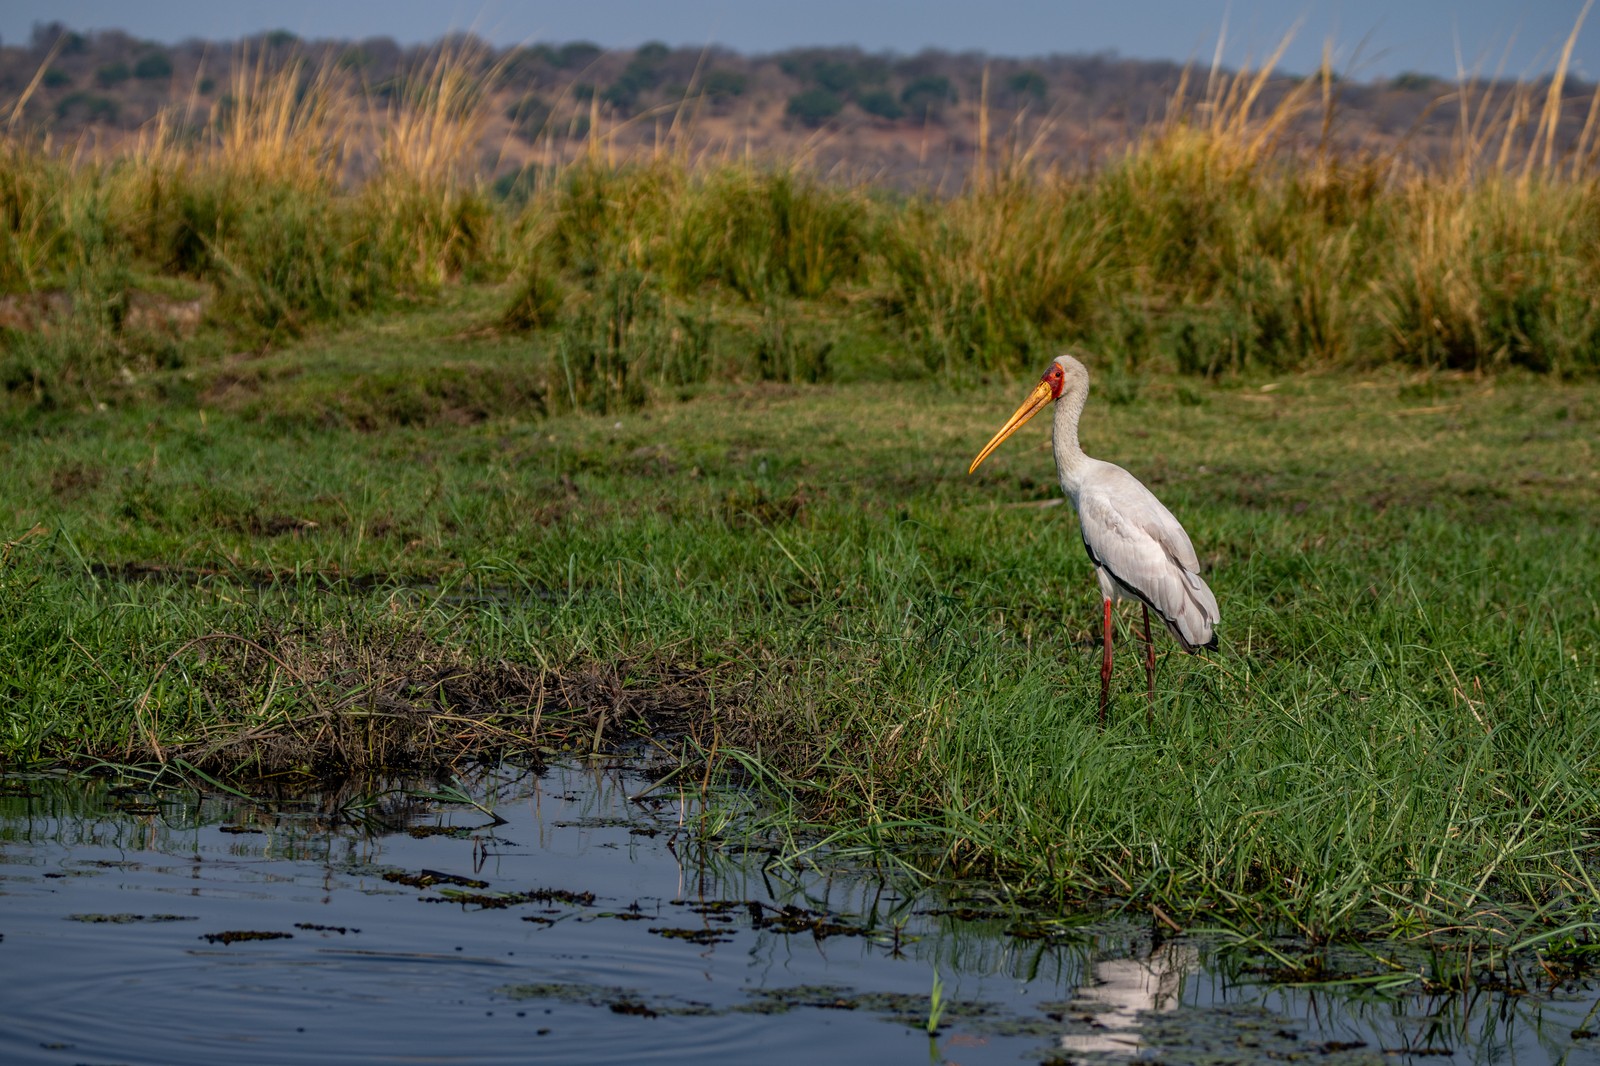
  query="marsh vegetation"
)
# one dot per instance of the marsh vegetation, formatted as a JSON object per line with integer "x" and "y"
{"x": 313, "y": 472}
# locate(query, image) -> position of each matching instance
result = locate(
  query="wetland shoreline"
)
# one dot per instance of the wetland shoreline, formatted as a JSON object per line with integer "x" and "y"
{"x": 799, "y": 591}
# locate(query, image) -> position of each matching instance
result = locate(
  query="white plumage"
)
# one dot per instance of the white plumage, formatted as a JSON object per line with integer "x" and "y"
{"x": 1139, "y": 550}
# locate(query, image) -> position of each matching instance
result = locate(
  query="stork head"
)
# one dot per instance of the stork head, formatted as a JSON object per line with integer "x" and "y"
{"x": 1065, "y": 376}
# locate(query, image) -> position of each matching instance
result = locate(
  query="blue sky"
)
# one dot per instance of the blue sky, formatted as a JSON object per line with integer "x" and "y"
{"x": 1371, "y": 38}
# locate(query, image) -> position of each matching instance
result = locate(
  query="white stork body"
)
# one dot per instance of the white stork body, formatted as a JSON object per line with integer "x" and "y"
{"x": 1139, "y": 550}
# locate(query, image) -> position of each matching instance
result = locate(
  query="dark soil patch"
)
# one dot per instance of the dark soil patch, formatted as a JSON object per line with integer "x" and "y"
{"x": 253, "y": 577}
{"x": 330, "y": 703}
{"x": 74, "y": 480}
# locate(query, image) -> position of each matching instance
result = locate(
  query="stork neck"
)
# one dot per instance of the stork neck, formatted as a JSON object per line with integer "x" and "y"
{"x": 1069, "y": 457}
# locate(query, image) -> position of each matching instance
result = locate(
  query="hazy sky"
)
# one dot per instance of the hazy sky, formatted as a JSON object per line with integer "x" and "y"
{"x": 1371, "y": 38}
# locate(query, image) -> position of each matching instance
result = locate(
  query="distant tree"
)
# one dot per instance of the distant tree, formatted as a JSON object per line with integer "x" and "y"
{"x": 113, "y": 74}
{"x": 382, "y": 53}
{"x": 814, "y": 106}
{"x": 529, "y": 117}
{"x": 154, "y": 66}
{"x": 1411, "y": 81}
{"x": 643, "y": 74}
{"x": 46, "y": 34}
{"x": 87, "y": 107}
{"x": 536, "y": 54}
{"x": 652, "y": 52}
{"x": 928, "y": 94}
{"x": 525, "y": 66}
{"x": 928, "y": 62}
{"x": 622, "y": 96}
{"x": 835, "y": 77}
{"x": 577, "y": 54}
{"x": 722, "y": 83}
{"x": 872, "y": 70}
{"x": 1026, "y": 83}
{"x": 881, "y": 104}
{"x": 55, "y": 77}
{"x": 844, "y": 71}
{"x": 624, "y": 93}
{"x": 280, "y": 39}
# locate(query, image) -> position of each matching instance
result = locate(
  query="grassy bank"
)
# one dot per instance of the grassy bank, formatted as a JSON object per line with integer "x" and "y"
{"x": 314, "y": 472}
{"x": 804, "y": 582}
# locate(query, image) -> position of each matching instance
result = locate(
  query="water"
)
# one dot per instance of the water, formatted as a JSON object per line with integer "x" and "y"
{"x": 589, "y": 927}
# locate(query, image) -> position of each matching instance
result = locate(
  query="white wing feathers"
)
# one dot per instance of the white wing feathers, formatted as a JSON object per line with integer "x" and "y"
{"x": 1133, "y": 539}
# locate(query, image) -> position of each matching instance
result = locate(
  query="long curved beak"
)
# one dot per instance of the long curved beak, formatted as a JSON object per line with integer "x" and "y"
{"x": 1030, "y": 407}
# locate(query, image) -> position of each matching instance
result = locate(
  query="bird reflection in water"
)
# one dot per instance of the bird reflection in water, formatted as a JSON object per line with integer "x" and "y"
{"x": 1125, "y": 989}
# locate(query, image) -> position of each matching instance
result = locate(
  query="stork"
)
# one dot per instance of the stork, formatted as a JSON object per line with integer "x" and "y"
{"x": 1139, "y": 550}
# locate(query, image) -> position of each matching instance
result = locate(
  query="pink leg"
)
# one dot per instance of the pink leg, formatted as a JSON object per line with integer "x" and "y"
{"x": 1105, "y": 666}
{"x": 1149, "y": 671}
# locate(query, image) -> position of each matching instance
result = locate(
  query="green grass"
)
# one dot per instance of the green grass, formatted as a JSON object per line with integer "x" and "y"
{"x": 803, "y": 581}
{"x": 317, "y": 471}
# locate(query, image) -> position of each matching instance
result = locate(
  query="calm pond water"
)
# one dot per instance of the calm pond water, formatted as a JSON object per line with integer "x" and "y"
{"x": 589, "y": 927}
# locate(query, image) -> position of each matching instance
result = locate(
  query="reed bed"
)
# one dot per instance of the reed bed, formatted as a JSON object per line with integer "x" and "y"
{"x": 1227, "y": 239}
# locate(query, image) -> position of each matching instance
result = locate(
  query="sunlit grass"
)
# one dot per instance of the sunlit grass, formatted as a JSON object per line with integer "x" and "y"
{"x": 1401, "y": 720}
{"x": 422, "y": 439}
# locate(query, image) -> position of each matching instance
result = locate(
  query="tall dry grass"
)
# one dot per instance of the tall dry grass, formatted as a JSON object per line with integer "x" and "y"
{"x": 1234, "y": 235}
{"x": 426, "y": 196}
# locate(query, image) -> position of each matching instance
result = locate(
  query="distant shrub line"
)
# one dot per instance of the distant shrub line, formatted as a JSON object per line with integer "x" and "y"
{"x": 1208, "y": 247}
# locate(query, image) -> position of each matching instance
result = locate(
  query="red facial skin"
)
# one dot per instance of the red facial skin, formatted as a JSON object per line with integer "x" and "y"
{"x": 1056, "y": 379}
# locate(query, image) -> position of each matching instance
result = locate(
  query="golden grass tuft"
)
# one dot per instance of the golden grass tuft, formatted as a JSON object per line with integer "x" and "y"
{"x": 425, "y": 195}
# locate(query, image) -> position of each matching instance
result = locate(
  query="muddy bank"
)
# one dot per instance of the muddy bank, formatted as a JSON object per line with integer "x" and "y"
{"x": 324, "y": 702}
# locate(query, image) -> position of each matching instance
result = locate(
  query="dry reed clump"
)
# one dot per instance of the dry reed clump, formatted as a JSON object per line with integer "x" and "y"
{"x": 254, "y": 197}
{"x": 987, "y": 280}
{"x": 425, "y": 199}
{"x": 1498, "y": 272}
{"x": 38, "y": 196}
{"x": 657, "y": 276}
{"x": 1232, "y": 237}
{"x": 766, "y": 234}
{"x": 322, "y": 701}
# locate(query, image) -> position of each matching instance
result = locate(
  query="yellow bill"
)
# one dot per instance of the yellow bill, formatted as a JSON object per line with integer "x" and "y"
{"x": 1041, "y": 395}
